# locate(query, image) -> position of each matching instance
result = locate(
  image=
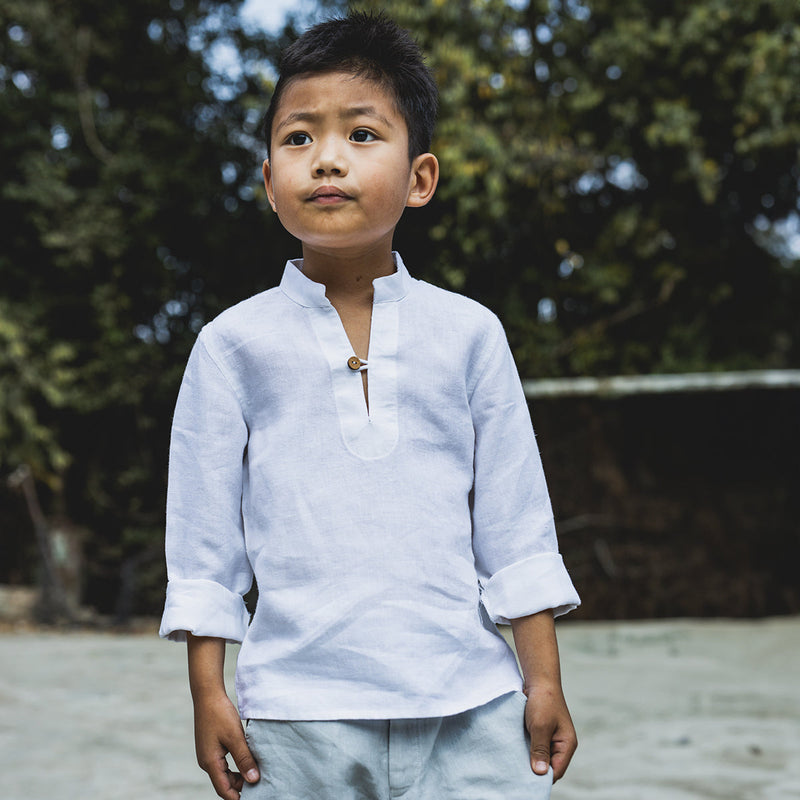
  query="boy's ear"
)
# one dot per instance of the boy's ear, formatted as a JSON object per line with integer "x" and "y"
{"x": 424, "y": 178}
{"x": 265, "y": 169}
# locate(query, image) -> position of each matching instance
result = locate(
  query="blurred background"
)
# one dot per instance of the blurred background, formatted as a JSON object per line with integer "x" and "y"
{"x": 619, "y": 184}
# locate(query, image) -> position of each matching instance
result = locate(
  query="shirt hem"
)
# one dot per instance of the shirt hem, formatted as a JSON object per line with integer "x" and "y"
{"x": 386, "y": 711}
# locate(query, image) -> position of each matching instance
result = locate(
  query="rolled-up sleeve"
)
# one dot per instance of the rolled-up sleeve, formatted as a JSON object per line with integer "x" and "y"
{"x": 514, "y": 540}
{"x": 207, "y": 566}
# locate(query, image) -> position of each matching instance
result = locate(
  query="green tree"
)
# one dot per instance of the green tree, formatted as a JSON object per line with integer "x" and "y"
{"x": 131, "y": 214}
{"x": 694, "y": 103}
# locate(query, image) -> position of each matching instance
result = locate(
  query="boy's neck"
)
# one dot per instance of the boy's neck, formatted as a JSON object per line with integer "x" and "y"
{"x": 348, "y": 276}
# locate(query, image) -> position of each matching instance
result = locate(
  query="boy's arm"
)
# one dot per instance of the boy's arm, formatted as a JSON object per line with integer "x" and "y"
{"x": 217, "y": 727}
{"x": 553, "y": 738}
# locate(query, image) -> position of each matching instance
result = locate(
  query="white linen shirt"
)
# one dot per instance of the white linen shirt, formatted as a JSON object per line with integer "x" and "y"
{"x": 379, "y": 539}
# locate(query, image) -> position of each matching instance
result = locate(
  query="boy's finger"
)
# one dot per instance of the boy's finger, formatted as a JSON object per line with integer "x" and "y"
{"x": 540, "y": 751}
{"x": 561, "y": 756}
{"x": 245, "y": 762}
{"x": 222, "y": 779}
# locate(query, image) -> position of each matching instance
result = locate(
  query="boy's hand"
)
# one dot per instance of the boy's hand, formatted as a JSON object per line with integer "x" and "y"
{"x": 553, "y": 737}
{"x": 217, "y": 732}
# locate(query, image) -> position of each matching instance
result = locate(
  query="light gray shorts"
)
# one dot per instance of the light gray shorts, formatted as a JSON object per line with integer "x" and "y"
{"x": 480, "y": 754}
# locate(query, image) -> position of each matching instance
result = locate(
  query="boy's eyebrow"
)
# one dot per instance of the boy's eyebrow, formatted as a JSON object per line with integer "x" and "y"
{"x": 365, "y": 111}
{"x": 344, "y": 114}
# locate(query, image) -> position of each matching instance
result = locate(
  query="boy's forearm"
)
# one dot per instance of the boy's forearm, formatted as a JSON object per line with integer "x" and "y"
{"x": 537, "y": 649}
{"x": 206, "y": 666}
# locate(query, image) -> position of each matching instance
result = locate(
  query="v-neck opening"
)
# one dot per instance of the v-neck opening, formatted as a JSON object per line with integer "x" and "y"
{"x": 350, "y": 353}
{"x": 369, "y": 423}
{"x": 364, "y": 369}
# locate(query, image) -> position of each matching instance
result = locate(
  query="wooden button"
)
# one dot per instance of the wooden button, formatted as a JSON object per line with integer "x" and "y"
{"x": 354, "y": 362}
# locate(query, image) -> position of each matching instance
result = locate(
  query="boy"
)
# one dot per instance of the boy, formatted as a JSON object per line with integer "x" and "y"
{"x": 359, "y": 441}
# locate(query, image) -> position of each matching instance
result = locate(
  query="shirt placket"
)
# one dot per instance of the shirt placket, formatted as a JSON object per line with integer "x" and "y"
{"x": 368, "y": 433}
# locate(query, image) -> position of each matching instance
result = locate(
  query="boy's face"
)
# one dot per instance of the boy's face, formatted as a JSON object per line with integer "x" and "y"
{"x": 339, "y": 175}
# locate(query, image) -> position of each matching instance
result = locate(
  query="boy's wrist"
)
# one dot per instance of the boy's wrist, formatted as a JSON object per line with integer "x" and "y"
{"x": 541, "y": 677}
{"x": 206, "y": 693}
{"x": 543, "y": 685}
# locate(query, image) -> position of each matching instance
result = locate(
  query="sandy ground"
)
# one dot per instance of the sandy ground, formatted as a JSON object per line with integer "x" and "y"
{"x": 675, "y": 710}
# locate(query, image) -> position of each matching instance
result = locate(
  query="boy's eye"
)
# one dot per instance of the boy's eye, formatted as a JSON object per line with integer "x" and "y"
{"x": 298, "y": 139}
{"x": 362, "y": 135}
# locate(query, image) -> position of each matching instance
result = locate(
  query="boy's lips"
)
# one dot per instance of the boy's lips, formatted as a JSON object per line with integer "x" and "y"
{"x": 328, "y": 194}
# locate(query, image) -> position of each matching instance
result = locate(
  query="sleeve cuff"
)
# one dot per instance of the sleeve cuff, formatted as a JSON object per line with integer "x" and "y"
{"x": 203, "y": 608}
{"x": 529, "y": 586}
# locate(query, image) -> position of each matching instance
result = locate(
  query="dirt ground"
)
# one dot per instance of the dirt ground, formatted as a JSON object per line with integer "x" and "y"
{"x": 668, "y": 710}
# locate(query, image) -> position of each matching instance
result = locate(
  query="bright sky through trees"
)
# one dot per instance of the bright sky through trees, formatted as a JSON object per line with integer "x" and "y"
{"x": 269, "y": 14}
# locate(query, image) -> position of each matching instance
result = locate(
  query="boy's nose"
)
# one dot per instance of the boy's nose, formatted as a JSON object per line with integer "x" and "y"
{"x": 329, "y": 160}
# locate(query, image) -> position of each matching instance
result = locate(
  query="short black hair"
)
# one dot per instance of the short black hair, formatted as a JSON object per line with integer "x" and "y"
{"x": 376, "y": 48}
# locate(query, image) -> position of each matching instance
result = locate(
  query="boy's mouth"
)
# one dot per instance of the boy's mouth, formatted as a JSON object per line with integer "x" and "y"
{"x": 328, "y": 194}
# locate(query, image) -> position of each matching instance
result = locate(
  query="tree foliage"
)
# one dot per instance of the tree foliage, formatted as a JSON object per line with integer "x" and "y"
{"x": 131, "y": 215}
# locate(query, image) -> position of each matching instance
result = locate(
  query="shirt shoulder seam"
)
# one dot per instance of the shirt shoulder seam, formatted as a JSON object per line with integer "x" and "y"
{"x": 202, "y": 340}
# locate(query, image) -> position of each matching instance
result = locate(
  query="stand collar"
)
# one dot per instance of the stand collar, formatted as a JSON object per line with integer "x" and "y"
{"x": 305, "y": 292}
